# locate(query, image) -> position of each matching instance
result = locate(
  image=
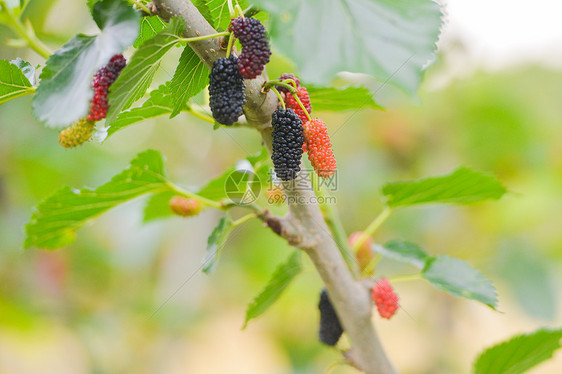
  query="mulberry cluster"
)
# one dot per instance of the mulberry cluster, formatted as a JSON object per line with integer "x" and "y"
{"x": 291, "y": 102}
{"x": 226, "y": 91}
{"x": 319, "y": 148}
{"x": 284, "y": 77}
{"x": 330, "y": 326}
{"x": 101, "y": 82}
{"x": 76, "y": 134}
{"x": 255, "y": 46}
{"x": 385, "y": 298}
{"x": 287, "y": 143}
{"x": 184, "y": 207}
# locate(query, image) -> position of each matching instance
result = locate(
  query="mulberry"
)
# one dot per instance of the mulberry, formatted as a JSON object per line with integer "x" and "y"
{"x": 330, "y": 326}
{"x": 286, "y": 76}
{"x": 385, "y": 298}
{"x": 101, "y": 82}
{"x": 292, "y": 103}
{"x": 76, "y": 134}
{"x": 365, "y": 252}
{"x": 255, "y": 46}
{"x": 184, "y": 207}
{"x": 319, "y": 148}
{"x": 226, "y": 91}
{"x": 287, "y": 144}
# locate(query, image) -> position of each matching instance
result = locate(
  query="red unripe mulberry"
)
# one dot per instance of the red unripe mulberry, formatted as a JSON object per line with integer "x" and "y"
{"x": 101, "y": 82}
{"x": 185, "y": 207}
{"x": 385, "y": 298}
{"x": 319, "y": 148}
{"x": 365, "y": 252}
{"x": 292, "y": 103}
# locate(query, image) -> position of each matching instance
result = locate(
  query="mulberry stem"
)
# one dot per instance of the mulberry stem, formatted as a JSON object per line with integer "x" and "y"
{"x": 370, "y": 268}
{"x": 26, "y": 33}
{"x": 141, "y": 6}
{"x": 297, "y": 98}
{"x": 231, "y": 10}
{"x": 370, "y": 230}
{"x": 204, "y": 37}
{"x": 404, "y": 278}
{"x": 239, "y": 10}
{"x": 186, "y": 193}
{"x": 291, "y": 82}
{"x": 201, "y": 115}
{"x": 243, "y": 219}
{"x": 251, "y": 11}
{"x": 279, "y": 96}
{"x": 230, "y": 44}
{"x": 291, "y": 89}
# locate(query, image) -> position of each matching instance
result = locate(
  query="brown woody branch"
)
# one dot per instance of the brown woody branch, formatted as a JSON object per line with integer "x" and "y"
{"x": 304, "y": 226}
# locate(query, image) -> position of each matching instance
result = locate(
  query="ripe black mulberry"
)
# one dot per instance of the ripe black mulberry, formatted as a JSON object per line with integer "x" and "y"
{"x": 255, "y": 46}
{"x": 101, "y": 82}
{"x": 288, "y": 140}
{"x": 226, "y": 91}
{"x": 330, "y": 326}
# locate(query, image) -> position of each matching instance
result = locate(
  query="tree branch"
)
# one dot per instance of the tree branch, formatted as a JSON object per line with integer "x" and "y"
{"x": 304, "y": 226}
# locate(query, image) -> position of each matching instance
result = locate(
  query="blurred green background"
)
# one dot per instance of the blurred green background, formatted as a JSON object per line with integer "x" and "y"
{"x": 129, "y": 298}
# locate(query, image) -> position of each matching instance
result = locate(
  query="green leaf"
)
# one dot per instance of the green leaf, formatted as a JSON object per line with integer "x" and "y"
{"x": 13, "y": 82}
{"x": 215, "y": 243}
{"x": 135, "y": 79}
{"x": 112, "y": 12}
{"x": 338, "y": 99}
{"x": 157, "y": 104}
{"x": 519, "y": 354}
{"x": 403, "y": 251}
{"x": 64, "y": 92}
{"x": 158, "y": 206}
{"x": 91, "y": 3}
{"x": 191, "y": 76}
{"x": 149, "y": 27}
{"x": 57, "y": 218}
{"x": 463, "y": 186}
{"x": 391, "y": 40}
{"x": 459, "y": 279}
{"x": 220, "y": 13}
{"x": 279, "y": 281}
{"x": 26, "y": 68}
